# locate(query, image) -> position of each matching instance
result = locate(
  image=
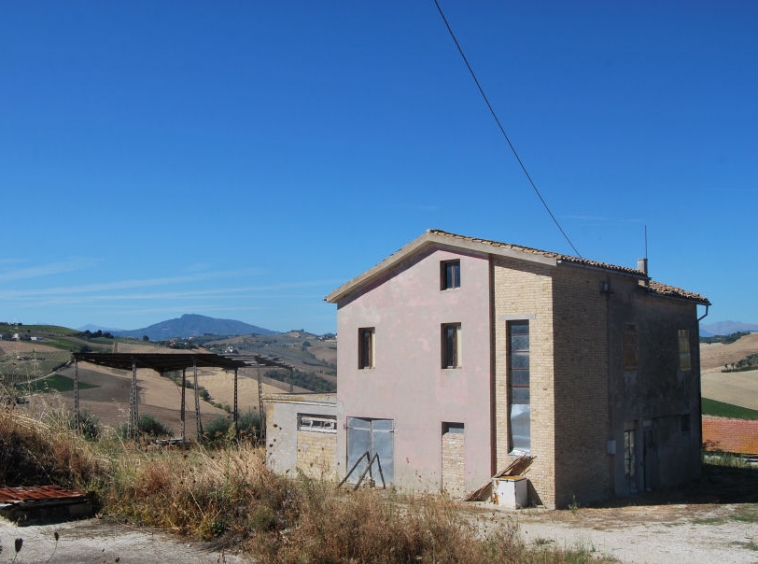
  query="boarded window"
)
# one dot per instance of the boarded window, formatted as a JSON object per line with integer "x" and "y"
{"x": 317, "y": 423}
{"x": 685, "y": 359}
{"x": 518, "y": 372}
{"x": 451, "y": 345}
{"x": 453, "y": 459}
{"x": 630, "y": 347}
{"x": 366, "y": 348}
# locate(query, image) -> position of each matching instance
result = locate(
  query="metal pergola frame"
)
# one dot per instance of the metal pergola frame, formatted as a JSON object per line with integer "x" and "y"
{"x": 173, "y": 362}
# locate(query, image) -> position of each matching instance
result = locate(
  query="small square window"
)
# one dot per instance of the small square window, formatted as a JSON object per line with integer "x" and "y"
{"x": 451, "y": 345}
{"x": 366, "y": 348}
{"x": 450, "y": 274}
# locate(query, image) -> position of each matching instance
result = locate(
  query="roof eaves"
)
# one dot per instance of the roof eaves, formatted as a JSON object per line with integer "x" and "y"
{"x": 672, "y": 292}
{"x": 443, "y": 239}
{"x": 376, "y": 270}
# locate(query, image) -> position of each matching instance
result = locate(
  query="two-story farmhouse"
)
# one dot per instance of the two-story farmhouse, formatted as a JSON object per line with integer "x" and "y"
{"x": 457, "y": 355}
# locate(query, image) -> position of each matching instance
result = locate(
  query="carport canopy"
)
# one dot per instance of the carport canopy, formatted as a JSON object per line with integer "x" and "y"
{"x": 172, "y": 362}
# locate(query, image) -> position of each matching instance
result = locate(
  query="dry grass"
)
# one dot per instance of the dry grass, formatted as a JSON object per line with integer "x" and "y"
{"x": 44, "y": 451}
{"x": 230, "y": 495}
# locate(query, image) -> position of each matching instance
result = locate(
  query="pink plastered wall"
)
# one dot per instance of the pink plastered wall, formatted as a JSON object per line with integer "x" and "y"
{"x": 408, "y": 384}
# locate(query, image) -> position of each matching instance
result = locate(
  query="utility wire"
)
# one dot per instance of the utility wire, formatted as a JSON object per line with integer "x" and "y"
{"x": 502, "y": 129}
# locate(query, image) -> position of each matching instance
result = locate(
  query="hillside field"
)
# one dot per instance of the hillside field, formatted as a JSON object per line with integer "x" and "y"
{"x": 105, "y": 391}
{"x": 736, "y": 388}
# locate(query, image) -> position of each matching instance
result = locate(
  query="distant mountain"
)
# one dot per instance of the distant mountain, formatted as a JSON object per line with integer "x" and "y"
{"x": 726, "y": 328}
{"x": 194, "y": 326}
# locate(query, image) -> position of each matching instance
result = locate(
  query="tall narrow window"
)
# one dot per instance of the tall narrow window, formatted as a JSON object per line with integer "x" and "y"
{"x": 518, "y": 368}
{"x": 630, "y": 347}
{"x": 451, "y": 345}
{"x": 366, "y": 348}
{"x": 685, "y": 360}
{"x": 450, "y": 274}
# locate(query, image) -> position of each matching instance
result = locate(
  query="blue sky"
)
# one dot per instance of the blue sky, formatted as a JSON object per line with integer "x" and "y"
{"x": 243, "y": 159}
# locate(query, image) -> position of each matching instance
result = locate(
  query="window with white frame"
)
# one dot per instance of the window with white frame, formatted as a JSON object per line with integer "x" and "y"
{"x": 451, "y": 345}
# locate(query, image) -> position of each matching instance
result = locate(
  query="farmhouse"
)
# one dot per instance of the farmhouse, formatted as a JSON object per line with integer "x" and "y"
{"x": 458, "y": 356}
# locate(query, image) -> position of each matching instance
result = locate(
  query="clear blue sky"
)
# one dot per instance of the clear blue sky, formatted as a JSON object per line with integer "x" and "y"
{"x": 243, "y": 159}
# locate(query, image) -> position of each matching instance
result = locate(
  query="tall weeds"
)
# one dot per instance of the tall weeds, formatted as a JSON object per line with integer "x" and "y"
{"x": 229, "y": 495}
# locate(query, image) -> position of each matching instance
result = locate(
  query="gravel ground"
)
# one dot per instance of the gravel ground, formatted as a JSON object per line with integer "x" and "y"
{"x": 101, "y": 541}
{"x": 641, "y": 535}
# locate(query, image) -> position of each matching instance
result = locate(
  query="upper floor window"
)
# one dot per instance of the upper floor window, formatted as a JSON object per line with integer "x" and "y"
{"x": 630, "y": 347}
{"x": 450, "y": 274}
{"x": 685, "y": 360}
{"x": 366, "y": 348}
{"x": 451, "y": 345}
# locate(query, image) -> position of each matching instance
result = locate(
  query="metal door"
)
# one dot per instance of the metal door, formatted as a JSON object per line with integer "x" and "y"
{"x": 375, "y": 437}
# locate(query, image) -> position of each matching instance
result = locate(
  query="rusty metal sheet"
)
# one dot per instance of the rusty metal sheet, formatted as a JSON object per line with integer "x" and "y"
{"x": 22, "y": 494}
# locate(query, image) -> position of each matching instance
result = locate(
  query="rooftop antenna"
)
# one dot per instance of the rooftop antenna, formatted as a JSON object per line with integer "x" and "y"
{"x": 642, "y": 263}
{"x": 645, "y": 241}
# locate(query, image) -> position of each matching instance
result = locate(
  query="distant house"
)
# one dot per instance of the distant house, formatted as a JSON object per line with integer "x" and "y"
{"x": 458, "y": 356}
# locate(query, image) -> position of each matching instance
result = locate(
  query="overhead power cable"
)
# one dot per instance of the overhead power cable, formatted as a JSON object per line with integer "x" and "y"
{"x": 502, "y": 129}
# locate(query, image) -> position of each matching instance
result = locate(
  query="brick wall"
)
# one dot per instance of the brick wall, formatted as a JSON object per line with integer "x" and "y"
{"x": 453, "y": 464}
{"x": 525, "y": 291}
{"x": 583, "y": 466}
{"x": 316, "y": 454}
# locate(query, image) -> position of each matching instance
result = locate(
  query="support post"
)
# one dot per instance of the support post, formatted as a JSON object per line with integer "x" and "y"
{"x": 236, "y": 419}
{"x": 76, "y": 396}
{"x": 184, "y": 404}
{"x": 197, "y": 404}
{"x": 292, "y": 377}
{"x": 133, "y": 404}
{"x": 261, "y": 415}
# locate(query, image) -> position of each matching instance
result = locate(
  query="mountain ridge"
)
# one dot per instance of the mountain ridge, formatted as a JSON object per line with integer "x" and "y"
{"x": 726, "y": 328}
{"x": 193, "y": 325}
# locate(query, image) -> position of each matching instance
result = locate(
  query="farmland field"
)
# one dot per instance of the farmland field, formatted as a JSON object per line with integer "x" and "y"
{"x": 736, "y": 388}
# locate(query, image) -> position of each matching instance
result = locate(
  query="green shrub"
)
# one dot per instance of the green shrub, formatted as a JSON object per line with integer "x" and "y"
{"x": 148, "y": 425}
{"x": 221, "y": 428}
{"x": 89, "y": 425}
